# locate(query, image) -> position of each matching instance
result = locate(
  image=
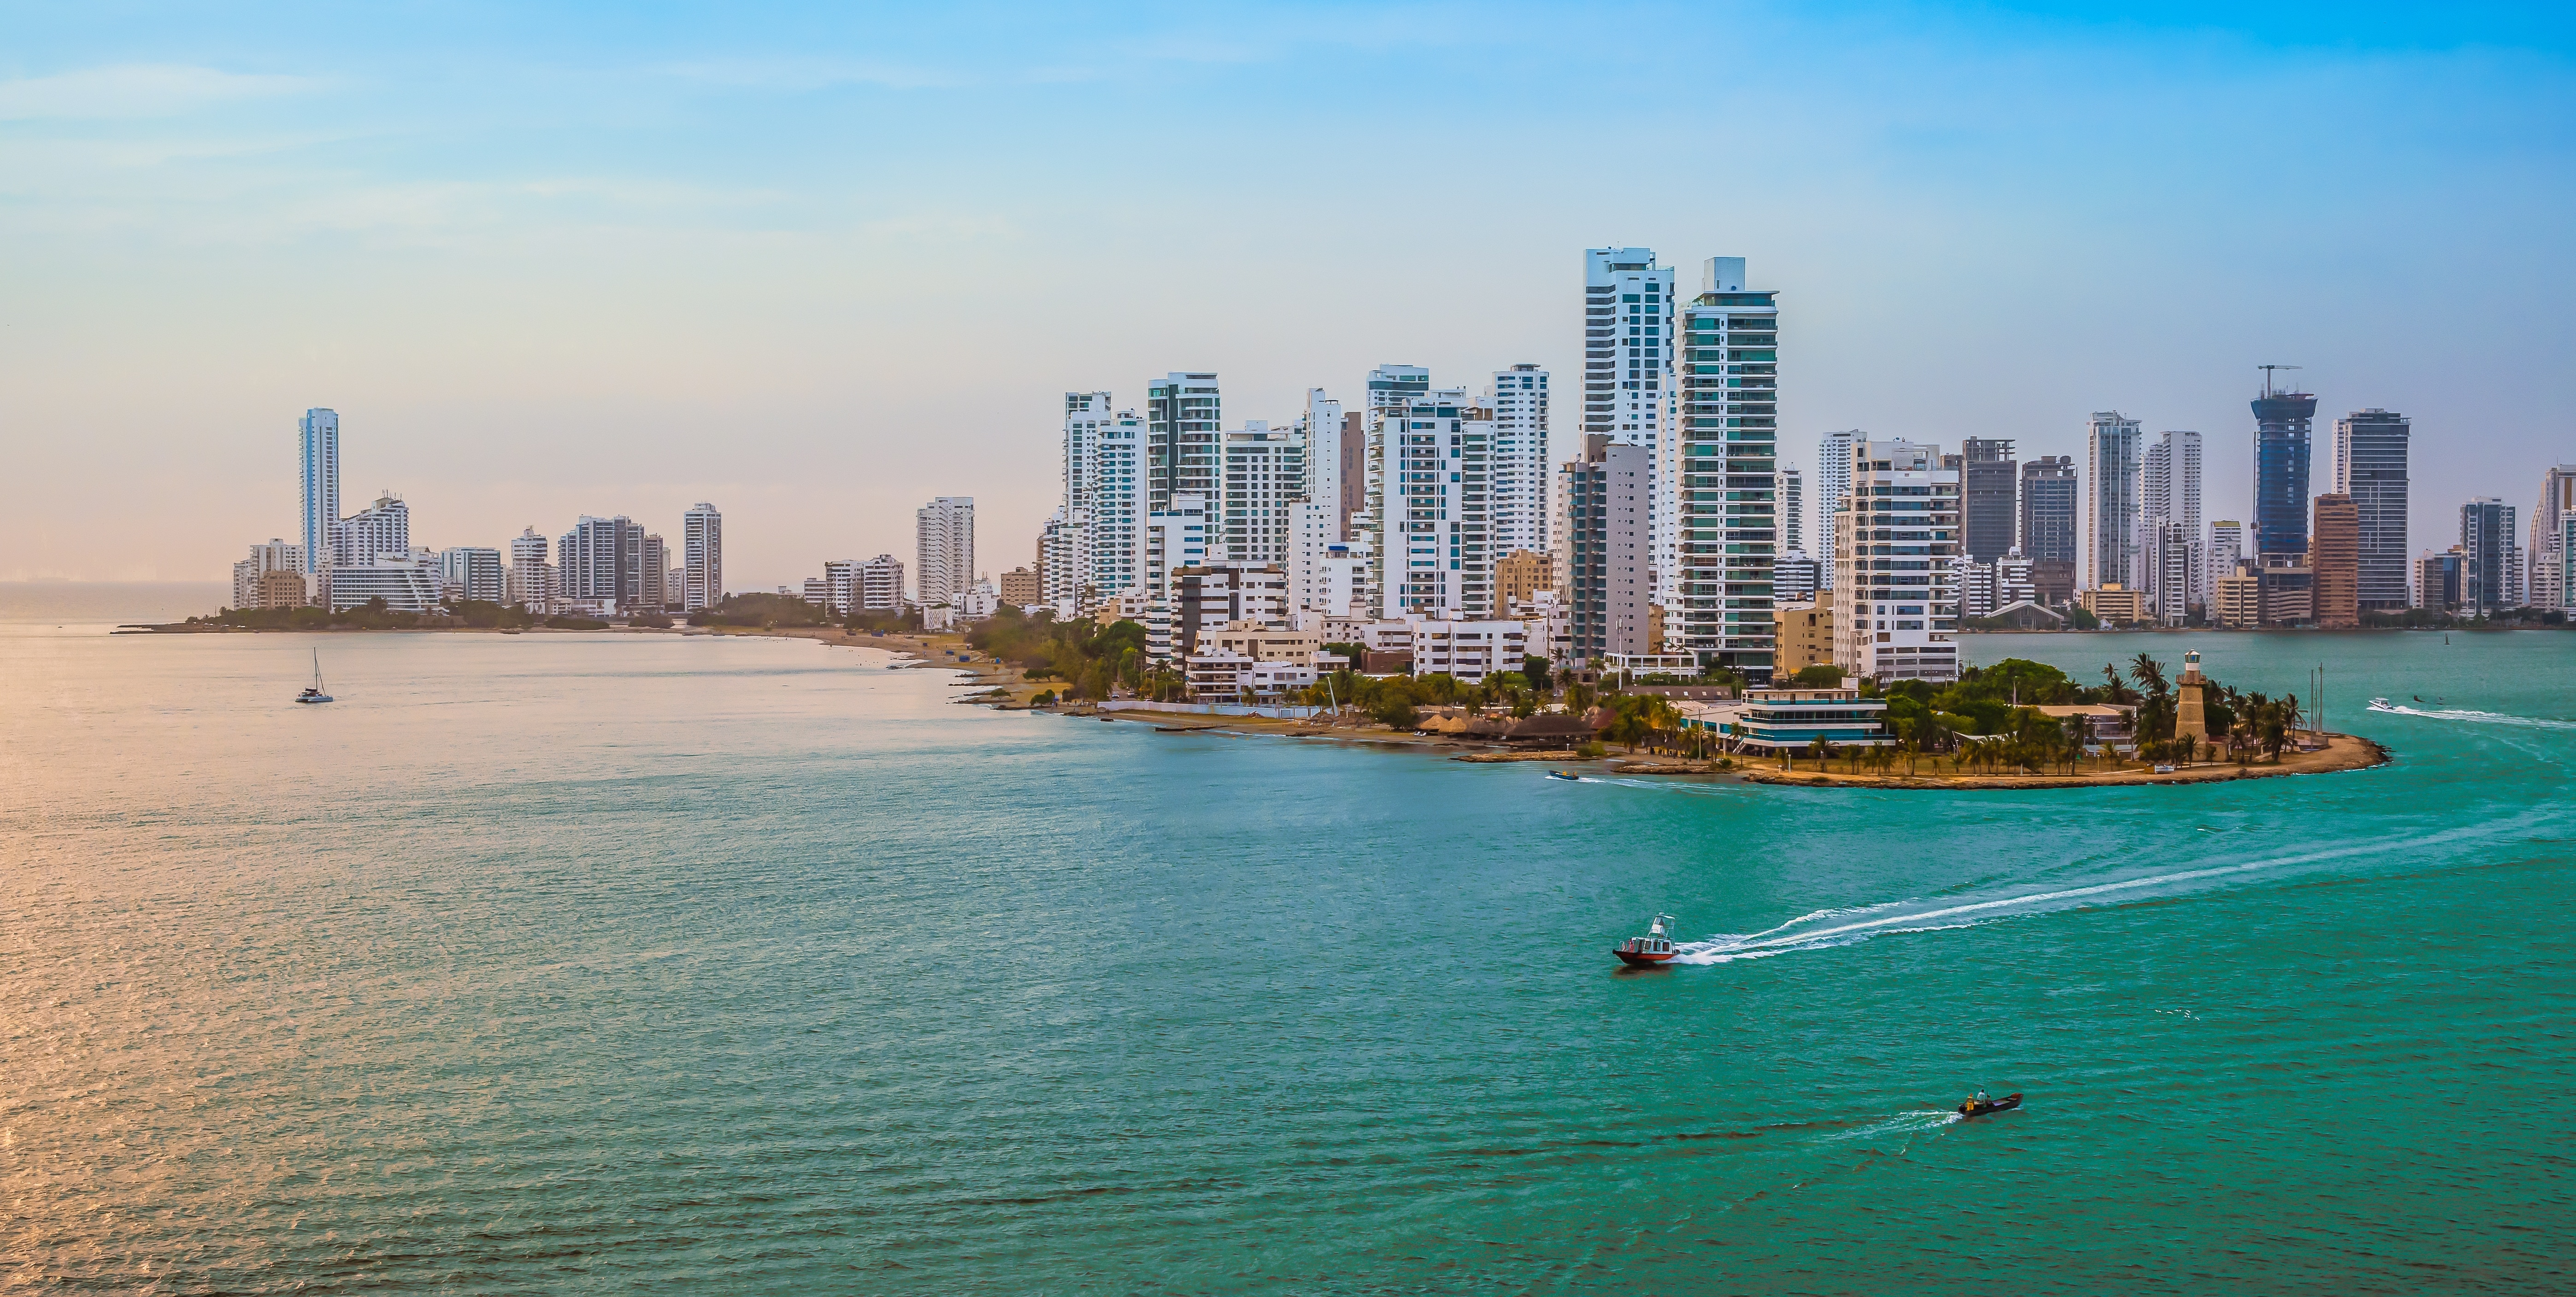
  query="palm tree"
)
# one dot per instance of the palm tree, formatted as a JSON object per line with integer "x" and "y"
{"x": 2149, "y": 673}
{"x": 2121, "y": 694}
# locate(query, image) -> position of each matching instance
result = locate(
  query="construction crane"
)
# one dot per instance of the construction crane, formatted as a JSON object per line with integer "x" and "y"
{"x": 2267, "y": 376}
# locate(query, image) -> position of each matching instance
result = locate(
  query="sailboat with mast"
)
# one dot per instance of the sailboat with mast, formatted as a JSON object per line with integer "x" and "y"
{"x": 313, "y": 692}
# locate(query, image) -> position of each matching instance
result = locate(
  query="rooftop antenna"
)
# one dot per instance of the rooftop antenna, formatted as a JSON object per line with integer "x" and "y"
{"x": 2267, "y": 375}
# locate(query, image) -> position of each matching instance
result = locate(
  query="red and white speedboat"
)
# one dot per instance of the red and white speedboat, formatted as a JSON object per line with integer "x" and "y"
{"x": 1656, "y": 947}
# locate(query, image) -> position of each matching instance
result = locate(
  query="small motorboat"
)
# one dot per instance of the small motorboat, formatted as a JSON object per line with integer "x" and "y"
{"x": 1566, "y": 775}
{"x": 1654, "y": 948}
{"x": 2381, "y": 705}
{"x": 1979, "y": 1106}
{"x": 313, "y": 692}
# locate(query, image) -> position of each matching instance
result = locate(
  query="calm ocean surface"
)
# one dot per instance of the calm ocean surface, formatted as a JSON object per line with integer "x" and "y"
{"x": 566, "y": 963}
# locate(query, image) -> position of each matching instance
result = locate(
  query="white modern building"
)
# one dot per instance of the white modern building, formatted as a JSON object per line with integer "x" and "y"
{"x": 2114, "y": 551}
{"x": 273, "y": 555}
{"x": 1627, "y": 377}
{"x": 881, "y": 584}
{"x": 471, "y": 572}
{"x": 2176, "y": 567}
{"x": 701, "y": 557}
{"x": 1722, "y": 463}
{"x": 319, "y": 456}
{"x": 1833, "y": 485}
{"x": 531, "y": 582}
{"x": 2552, "y": 558}
{"x": 1433, "y": 458}
{"x": 2225, "y": 550}
{"x": 404, "y": 583}
{"x": 1789, "y": 489}
{"x": 2169, "y": 494}
{"x": 379, "y": 529}
{"x": 944, "y": 532}
{"x": 1895, "y": 609}
{"x": 599, "y": 564}
{"x": 1519, "y": 491}
{"x": 1264, "y": 471}
{"x": 1184, "y": 417}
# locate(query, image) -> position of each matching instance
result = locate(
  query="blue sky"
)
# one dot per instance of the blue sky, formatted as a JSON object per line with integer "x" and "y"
{"x": 819, "y": 264}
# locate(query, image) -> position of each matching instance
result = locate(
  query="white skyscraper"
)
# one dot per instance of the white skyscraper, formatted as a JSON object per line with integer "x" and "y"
{"x": 2114, "y": 551}
{"x": 380, "y": 529}
{"x": 1721, "y": 461}
{"x": 1833, "y": 483}
{"x": 1896, "y": 601}
{"x": 1790, "y": 488}
{"x": 320, "y": 463}
{"x": 1317, "y": 520}
{"x": 1627, "y": 373}
{"x": 1430, "y": 463}
{"x": 2225, "y": 550}
{"x": 1263, "y": 470}
{"x": 531, "y": 583}
{"x": 702, "y": 557}
{"x": 2169, "y": 492}
{"x": 471, "y": 572}
{"x": 944, "y": 533}
{"x": 1520, "y": 488}
{"x": 1069, "y": 562}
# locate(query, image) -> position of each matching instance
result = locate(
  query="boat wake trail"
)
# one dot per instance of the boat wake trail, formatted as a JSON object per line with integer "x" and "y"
{"x": 1826, "y": 929}
{"x": 2482, "y": 718}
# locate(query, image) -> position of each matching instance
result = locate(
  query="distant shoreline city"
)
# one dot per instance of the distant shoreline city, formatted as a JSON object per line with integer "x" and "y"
{"x": 1427, "y": 527}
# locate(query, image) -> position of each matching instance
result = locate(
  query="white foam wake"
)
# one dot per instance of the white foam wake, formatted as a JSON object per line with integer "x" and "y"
{"x": 1908, "y": 916}
{"x": 2482, "y": 718}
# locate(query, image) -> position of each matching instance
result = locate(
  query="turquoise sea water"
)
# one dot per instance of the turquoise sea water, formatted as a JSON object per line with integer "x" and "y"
{"x": 561, "y": 962}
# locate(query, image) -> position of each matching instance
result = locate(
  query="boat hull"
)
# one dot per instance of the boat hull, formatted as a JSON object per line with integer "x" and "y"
{"x": 2004, "y": 1104}
{"x": 1635, "y": 960}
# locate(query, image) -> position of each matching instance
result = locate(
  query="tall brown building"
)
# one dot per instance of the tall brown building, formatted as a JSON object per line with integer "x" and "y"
{"x": 2334, "y": 561}
{"x": 1520, "y": 574}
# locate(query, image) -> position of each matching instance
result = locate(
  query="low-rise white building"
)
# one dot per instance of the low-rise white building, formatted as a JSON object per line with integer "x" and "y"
{"x": 271, "y": 556}
{"x": 404, "y": 584}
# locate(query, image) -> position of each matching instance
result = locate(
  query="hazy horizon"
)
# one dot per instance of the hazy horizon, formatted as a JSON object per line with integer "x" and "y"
{"x": 817, "y": 267}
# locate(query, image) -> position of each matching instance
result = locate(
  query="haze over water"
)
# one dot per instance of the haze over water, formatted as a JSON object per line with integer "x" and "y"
{"x": 601, "y": 963}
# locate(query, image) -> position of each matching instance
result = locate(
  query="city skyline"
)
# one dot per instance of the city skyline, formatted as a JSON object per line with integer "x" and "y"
{"x": 266, "y": 217}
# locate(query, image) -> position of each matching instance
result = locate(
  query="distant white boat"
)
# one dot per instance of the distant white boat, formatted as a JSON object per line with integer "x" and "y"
{"x": 2380, "y": 705}
{"x": 313, "y": 692}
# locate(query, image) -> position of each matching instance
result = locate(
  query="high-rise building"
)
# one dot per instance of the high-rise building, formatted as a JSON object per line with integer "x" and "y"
{"x": 598, "y": 564}
{"x": 1354, "y": 478}
{"x": 1833, "y": 484}
{"x": 1520, "y": 575}
{"x": 2281, "y": 424}
{"x": 1435, "y": 544}
{"x": 2051, "y": 510}
{"x": 1722, "y": 466}
{"x": 2174, "y": 562}
{"x": 1264, "y": 469}
{"x": 2334, "y": 562}
{"x": 1991, "y": 481}
{"x": 2552, "y": 557}
{"x": 2437, "y": 584}
{"x": 1604, "y": 547}
{"x": 531, "y": 581}
{"x": 1790, "y": 491}
{"x": 1183, "y": 419}
{"x": 1518, "y": 398}
{"x": 2226, "y": 550}
{"x": 276, "y": 555}
{"x": 2490, "y": 563}
{"x": 1896, "y": 608}
{"x": 652, "y": 574}
{"x": 701, "y": 557}
{"x": 2169, "y": 493}
{"x": 1627, "y": 373}
{"x": 319, "y": 458}
{"x": 2113, "y": 549}
{"x": 881, "y": 584}
{"x": 2370, "y": 466}
{"x": 380, "y": 529}
{"x": 471, "y": 572}
{"x": 944, "y": 542}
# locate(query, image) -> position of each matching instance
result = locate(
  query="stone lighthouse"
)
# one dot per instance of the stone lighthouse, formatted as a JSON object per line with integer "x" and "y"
{"x": 2191, "y": 716}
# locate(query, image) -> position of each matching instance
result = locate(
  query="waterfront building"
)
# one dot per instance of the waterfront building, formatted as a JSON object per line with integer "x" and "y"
{"x": 1787, "y": 719}
{"x": 1805, "y": 634}
{"x": 2052, "y": 525}
{"x": 1264, "y": 469}
{"x": 1723, "y": 463}
{"x": 1789, "y": 490}
{"x": 2281, "y": 426}
{"x": 651, "y": 572}
{"x": 2289, "y": 596}
{"x": 1518, "y": 492}
{"x": 1604, "y": 548}
{"x": 1184, "y": 416}
{"x": 2491, "y": 563}
{"x": 2175, "y": 564}
{"x": 2370, "y": 466}
{"x": 838, "y": 590}
{"x": 2169, "y": 493}
{"x": 531, "y": 581}
{"x": 1990, "y": 482}
{"x": 881, "y": 584}
{"x": 471, "y": 572}
{"x": 2334, "y": 561}
{"x": 2226, "y": 549}
{"x": 1627, "y": 372}
{"x": 382, "y": 528}
{"x": 318, "y": 456}
{"x": 1469, "y": 648}
{"x": 1068, "y": 538}
{"x": 1833, "y": 489}
{"x": 1224, "y": 594}
{"x": 274, "y": 555}
{"x": 1019, "y": 588}
{"x": 1107, "y": 555}
{"x": 2552, "y": 557}
{"x": 2113, "y": 466}
{"x": 1434, "y": 460}
{"x": 818, "y": 589}
{"x": 701, "y": 558}
{"x": 1795, "y": 578}
{"x": 2236, "y": 599}
{"x": 2437, "y": 581}
{"x": 944, "y": 547}
{"x": 599, "y": 564}
{"x": 1176, "y": 539}
{"x": 1895, "y": 609}
{"x": 2116, "y": 604}
{"x": 281, "y": 588}
{"x": 405, "y": 584}
{"x": 1521, "y": 574}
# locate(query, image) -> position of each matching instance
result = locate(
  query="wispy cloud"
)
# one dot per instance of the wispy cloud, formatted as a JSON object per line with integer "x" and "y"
{"x": 795, "y": 73}
{"x": 139, "y": 90}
